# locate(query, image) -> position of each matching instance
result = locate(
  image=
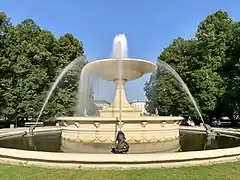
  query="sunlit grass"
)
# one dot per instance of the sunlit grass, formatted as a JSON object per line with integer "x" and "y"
{"x": 211, "y": 172}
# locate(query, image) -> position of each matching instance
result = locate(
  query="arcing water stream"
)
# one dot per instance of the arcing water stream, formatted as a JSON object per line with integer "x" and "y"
{"x": 64, "y": 71}
{"x": 120, "y": 51}
{"x": 167, "y": 67}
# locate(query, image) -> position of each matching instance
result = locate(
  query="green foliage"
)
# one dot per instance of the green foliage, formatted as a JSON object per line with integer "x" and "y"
{"x": 169, "y": 96}
{"x": 69, "y": 49}
{"x": 30, "y": 59}
{"x": 208, "y": 64}
{"x": 231, "y": 99}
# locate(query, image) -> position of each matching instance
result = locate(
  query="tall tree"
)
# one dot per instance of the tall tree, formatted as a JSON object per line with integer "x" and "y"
{"x": 30, "y": 61}
{"x": 69, "y": 48}
{"x": 213, "y": 37}
{"x": 201, "y": 64}
{"x": 165, "y": 92}
{"x": 31, "y": 58}
{"x": 5, "y": 67}
{"x": 230, "y": 104}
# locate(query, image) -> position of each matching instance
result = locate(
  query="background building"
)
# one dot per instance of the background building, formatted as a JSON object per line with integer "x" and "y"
{"x": 139, "y": 105}
{"x": 102, "y": 104}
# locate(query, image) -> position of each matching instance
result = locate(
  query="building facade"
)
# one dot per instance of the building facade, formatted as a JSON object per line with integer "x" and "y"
{"x": 102, "y": 104}
{"x": 139, "y": 105}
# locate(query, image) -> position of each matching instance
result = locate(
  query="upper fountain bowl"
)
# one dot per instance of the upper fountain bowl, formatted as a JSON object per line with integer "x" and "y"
{"x": 129, "y": 68}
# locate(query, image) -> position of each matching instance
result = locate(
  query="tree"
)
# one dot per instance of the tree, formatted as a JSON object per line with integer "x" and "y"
{"x": 213, "y": 36}
{"x": 31, "y": 58}
{"x": 69, "y": 48}
{"x": 230, "y": 104}
{"x": 166, "y": 93}
{"x": 5, "y": 72}
{"x": 201, "y": 62}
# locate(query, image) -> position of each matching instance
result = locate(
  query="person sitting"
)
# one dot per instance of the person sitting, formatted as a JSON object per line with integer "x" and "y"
{"x": 122, "y": 145}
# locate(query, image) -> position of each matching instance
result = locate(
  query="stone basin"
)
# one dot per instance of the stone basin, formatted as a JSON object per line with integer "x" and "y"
{"x": 143, "y": 129}
{"x": 130, "y": 68}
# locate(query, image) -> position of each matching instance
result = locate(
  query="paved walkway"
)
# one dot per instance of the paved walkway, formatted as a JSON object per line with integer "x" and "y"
{"x": 216, "y": 128}
{"x": 4, "y": 130}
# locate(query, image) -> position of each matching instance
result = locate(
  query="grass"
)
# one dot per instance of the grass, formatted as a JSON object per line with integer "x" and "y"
{"x": 212, "y": 172}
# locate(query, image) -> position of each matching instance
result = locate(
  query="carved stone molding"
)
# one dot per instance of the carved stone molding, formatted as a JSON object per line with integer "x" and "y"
{"x": 100, "y": 139}
{"x": 120, "y": 124}
{"x": 77, "y": 124}
{"x": 144, "y": 124}
{"x": 89, "y": 140}
{"x": 163, "y": 123}
{"x": 96, "y": 124}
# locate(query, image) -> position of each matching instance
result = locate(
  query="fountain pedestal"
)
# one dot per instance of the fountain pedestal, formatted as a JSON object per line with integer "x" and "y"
{"x": 120, "y": 115}
{"x": 120, "y": 105}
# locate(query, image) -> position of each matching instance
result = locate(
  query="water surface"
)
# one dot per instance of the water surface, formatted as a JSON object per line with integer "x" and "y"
{"x": 53, "y": 143}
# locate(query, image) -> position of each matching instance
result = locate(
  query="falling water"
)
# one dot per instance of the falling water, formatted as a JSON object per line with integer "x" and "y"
{"x": 83, "y": 92}
{"x": 120, "y": 50}
{"x": 87, "y": 83}
{"x": 119, "y": 47}
{"x": 64, "y": 71}
{"x": 91, "y": 84}
{"x": 167, "y": 67}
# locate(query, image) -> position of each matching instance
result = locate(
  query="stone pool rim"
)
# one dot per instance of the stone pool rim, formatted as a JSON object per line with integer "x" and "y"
{"x": 116, "y": 161}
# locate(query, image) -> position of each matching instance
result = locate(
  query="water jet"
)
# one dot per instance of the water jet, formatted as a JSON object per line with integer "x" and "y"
{"x": 85, "y": 140}
{"x": 119, "y": 69}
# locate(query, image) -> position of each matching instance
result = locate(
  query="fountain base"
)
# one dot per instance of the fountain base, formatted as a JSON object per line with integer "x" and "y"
{"x": 135, "y": 148}
{"x": 144, "y": 129}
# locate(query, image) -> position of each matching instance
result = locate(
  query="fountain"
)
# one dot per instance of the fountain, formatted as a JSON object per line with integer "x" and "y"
{"x": 120, "y": 115}
{"x": 84, "y": 141}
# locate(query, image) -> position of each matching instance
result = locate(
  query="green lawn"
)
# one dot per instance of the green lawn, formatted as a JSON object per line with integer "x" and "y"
{"x": 213, "y": 172}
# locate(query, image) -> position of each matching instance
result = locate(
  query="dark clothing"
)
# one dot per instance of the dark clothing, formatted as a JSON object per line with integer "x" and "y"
{"x": 122, "y": 145}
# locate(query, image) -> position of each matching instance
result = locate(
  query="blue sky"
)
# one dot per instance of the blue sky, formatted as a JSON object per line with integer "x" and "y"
{"x": 149, "y": 25}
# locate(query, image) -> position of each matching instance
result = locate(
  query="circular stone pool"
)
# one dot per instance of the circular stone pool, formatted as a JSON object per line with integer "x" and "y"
{"x": 52, "y": 142}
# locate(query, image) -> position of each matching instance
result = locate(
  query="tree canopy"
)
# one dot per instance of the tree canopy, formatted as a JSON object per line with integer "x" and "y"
{"x": 30, "y": 59}
{"x": 209, "y": 65}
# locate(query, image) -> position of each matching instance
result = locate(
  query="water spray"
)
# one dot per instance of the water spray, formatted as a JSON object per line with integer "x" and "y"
{"x": 59, "y": 78}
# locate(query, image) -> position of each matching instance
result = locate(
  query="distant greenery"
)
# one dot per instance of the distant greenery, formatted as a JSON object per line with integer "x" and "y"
{"x": 209, "y": 64}
{"x": 30, "y": 60}
{"x": 221, "y": 171}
